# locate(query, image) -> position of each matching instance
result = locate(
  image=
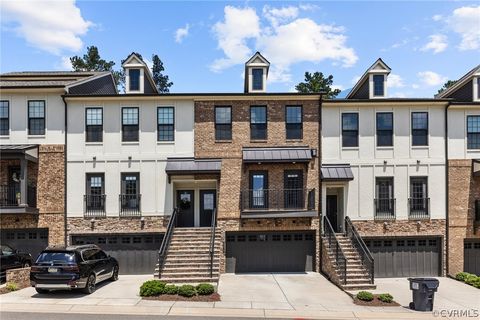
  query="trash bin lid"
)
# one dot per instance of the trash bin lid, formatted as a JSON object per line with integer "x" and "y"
{"x": 430, "y": 283}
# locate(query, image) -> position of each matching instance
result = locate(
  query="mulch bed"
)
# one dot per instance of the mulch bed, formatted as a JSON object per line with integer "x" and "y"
{"x": 174, "y": 297}
{"x": 4, "y": 290}
{"x": 375, "y": 302}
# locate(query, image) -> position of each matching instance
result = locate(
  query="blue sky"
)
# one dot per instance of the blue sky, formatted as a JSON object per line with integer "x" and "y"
{"x": 204, "y": 44}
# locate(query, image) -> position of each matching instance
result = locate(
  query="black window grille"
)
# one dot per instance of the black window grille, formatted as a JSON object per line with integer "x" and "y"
{"x": 378, "y": 85}
{"x": 473, "y": 132}
{"x": 129, "y": 124}
{"x": 4, "y": 118}
{"x": 258, "y": 122}
{"x": 223, "y": 123}
{"x": 294, "y": 122}
{"x": 257, "y": 79}
{"x": 384, "y": 129}
{"x": 419, "y": 129}
{"x": 134, "y": 75}
{"x": 36, "y": 117}
{"x": 94, "y": 124}
{"x": 350, "y": 129}
{"x": 166, "y": 123}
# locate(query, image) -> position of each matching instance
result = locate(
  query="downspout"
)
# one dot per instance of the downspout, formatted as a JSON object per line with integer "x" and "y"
{"x": 447, "y": 222}
{"x": 319, "y": 156}
{"x": 65, "y": 175}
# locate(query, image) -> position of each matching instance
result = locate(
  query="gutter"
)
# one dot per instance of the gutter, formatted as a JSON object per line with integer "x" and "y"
{"x": 319, "y": 156}
{"x": 447, "y": 190}
{"x": 65, "y": 175}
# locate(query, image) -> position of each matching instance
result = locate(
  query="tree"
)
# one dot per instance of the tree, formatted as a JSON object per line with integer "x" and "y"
{"x": 161, "y": 81}
{"x": 446, "y": 85}
{"x": 317, "y": 82}
{"x": 91, "y": 61}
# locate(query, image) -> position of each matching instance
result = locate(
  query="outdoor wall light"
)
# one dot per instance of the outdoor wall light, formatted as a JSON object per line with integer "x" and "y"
{"x": 94, "y": 158}
{"x": 92, "y": 223}
{"x": 314, "y": 152}
{"x": 384, "y": 162}
{"x": 129, "y": 158}
{"x": 418, "y": 162}
{"x": 142, "y": 222}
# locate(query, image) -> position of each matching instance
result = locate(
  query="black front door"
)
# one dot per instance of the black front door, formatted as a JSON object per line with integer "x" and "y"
{"x": 332, "y": 210}
{"x": 293, "y": 189}
{"x": 14, "y": 185}
{"x": 207, "y": 204}
{"x": 258, "y": 190}
{"x": 185, "y": 204}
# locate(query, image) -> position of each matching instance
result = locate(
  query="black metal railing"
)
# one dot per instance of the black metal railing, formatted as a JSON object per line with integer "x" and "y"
{"x": 10, "y": 196}
{"x": 360, "y": 247}
{"x": 162, "y": 252}
{"x": 384, "y": 208}
{"x": 94, "y": 205}
{"x": 335, "y": 250}
{"x": 212, "y": 240}
{"x": 418, "y": 208}
{"x": 130, "y": 205}
{"x": 277, "y": 199}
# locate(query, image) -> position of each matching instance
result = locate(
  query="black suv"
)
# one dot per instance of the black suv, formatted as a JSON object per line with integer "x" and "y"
{"x": 11, "y": 258}
{"x": 71, "y": 268}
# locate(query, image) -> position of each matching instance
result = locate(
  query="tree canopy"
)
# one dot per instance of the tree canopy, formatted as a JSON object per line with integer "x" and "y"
{"x": 446, "y": 85}
{"x": 317, "y": 82}
{"x": 162, "y": 81}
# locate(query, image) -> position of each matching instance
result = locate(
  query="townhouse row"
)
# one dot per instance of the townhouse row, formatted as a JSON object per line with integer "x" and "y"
{"x": 252, "y": 180}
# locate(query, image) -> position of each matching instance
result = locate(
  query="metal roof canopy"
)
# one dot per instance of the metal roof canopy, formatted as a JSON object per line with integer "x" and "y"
{"x": 185, "y": 166}
{"x": 336, "y": 172}
{"x": 291, "y": 154}
{"x": 18, "y": 151}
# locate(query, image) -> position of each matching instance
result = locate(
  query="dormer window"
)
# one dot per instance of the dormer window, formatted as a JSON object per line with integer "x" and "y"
{"x": 134, "y": 75}
{"x": 256, "y": 74}
{"x": 378, "y": 85}
{"x": 478, "y": 88}
{"x": 257, "y": 80}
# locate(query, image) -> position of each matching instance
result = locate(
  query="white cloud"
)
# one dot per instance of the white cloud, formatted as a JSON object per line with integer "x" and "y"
{"x": 149, "y": 63}
{"x": 415, "y": 86}
{"x": 181, "y": 33}
{"x": 284, "y": 39}
{"x": 395, "y": 81}
{"x": 398, "y": 95}
{"x": 466, "y": 22}
{"x": 53, "y": 26}
{"x": 431, "y": 78}
{"x": 337, "y": 86}
{"x": 437, "y": 43}
{"x": 355, "y": 79}
{"x": 65, "y": 64}
{"x": 437, "y": 17}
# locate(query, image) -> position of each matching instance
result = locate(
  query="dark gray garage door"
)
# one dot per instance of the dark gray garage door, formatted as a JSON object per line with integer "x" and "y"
{"x": 270, "y": 252}
{"x": 32, "y": 241}
{"x": 136, "y": 253}
{"x": 472, "y": 257}
{"x": 406, "y": 257}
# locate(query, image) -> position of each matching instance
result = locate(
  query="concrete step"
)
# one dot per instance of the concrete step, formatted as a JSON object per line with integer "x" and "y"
{"x": 190, "y": 268}
{"x": 351, "y": 287}
{"x": 191, "y": 259}
{"x": 189, "y": 264}
{"x": 358, "y": 280}
{"x": 176, "y": 275}
{"x": 189, "y": 280}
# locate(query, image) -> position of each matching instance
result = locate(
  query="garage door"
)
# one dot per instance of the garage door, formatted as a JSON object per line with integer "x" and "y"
{"x": 32, "y": 241}
{"x": 136, "y": 253}
{"x": 406, "y": 257}
{"x": 472, "y": 257}
{"x": 270, "y": 252}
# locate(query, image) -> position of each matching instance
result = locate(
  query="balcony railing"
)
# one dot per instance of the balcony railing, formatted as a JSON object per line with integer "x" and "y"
{"x": 278, "y": 200}
{"x": 384, "y": 209}
{"x": 130, "y": 205}
{"x": 10, "y": 196}
{"x": 419, "y": 208}
{"x": 94, "y": 205}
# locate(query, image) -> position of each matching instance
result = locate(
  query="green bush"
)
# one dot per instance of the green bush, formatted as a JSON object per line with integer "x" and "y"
{"x": 205, "y": 289}
{"x": 365, "y": 296}
{"x": 152, "y": 288}
{"x": 171, "y": 289}
{"x": 385, "y": 297}
{"x": 462, "y": 276}
{"x": 11, "y": 286}
{"x": 471, "y": 279}
{"x": 187, "y": 290}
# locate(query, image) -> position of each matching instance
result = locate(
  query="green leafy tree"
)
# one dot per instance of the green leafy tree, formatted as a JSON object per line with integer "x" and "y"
{"x": 161, "y": 80}
{"x": 317, "y": 82}
{"x": 446, "y": 85}
{"x": 91, "y": 61}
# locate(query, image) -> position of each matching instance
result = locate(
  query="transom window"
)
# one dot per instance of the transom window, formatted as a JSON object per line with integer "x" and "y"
{"x": 94, "y": 124}
{"x": 257, "y": 79}
{"x": 258, "y": 122}
{"x": 223, "y": 123}
{"x": 294, "y": 122}
{"x": 419, "y": 129}
{"x": 36, "y": 117}
{"x": 473, "y": 132}
{"x": 130, "y": 183}
{"x": 378, "y": 85}
{"x": 385, "y": 129}
{"x": 134, "y": 75}
{"x": 4, "y": 118}
{"x": 166, "y": 123}
{"x": 350, "y": 129}
{"x": 129, "y": 124}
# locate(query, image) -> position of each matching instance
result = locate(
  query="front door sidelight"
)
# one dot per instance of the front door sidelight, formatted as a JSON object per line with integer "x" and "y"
{"x": 258, "y": 190}
{"x": 293, "y": 189}
{"x": 207, "y": 205}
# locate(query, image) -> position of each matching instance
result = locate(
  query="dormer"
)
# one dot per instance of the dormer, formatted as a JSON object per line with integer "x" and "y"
{"x": 138, "y": 78}
{"x": 373, "y": 83}
{"x": 256, "y": 73}
{"x": 465, "y": 89}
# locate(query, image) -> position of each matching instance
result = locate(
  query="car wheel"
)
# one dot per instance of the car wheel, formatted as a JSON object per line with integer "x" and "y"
{"x": 90, "y": 286}
{"x": 41, "y": 291}
{"x": 26, "y": 264}
{"x": 114, "y": 274}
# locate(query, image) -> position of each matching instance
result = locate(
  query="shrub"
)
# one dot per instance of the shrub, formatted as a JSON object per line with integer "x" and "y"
{"x": 11, "y": 286}
{"x": 171, "y": 289}
{"x": 471, "y": 279}
{"x": 152, "y": 288}
{"x": 365, "y": 296}
{"x": 385, "y": 297}
{"x": 205, "y": 289}
{"x": 462, "y": 276}
{"x": 187, "y": 290}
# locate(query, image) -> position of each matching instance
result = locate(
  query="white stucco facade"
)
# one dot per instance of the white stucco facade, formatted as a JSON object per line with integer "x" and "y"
{"x": 457, "y": 131}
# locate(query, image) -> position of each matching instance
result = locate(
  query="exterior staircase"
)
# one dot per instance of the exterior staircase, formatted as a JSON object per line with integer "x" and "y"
{"x": 188, "y": 257}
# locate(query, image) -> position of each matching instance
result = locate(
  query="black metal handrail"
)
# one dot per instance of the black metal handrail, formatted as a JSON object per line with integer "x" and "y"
{"x": 362, "y": 249}
{"x": 277, "y": 199}
{"x": 384, "y": 208}
{"x": 162, "y": 252}
{"x": 130, "y": 205}
{"x": 212, "y": 239}
{"x": 10, "y": 196}
{"x": 94, "y": 205}
{"x": 336, "y": 249}
{"x": 418, "y": 208}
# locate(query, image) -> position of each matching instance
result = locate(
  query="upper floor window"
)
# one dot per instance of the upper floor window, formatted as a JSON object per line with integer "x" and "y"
{"x": 166, "y": 123}
{"x": 350, "y": 129}
{"x": 419, "y": 128}
{"x": 294, "y": 122}
{"x": 129, "y": 124}
{"x": 258, "y": 122}
{"x": 384, "y": 129}
{"x": 223, "y": 123}
{"x": 36, "y": 117}
{"x": 134, "y": 75}
{"x": 378, "y": 85}
{"x": 94, "y": 124}
{"x": 257, "y": 79}
{"x": 4, "y": 118}
{"x": 473, "y": 132}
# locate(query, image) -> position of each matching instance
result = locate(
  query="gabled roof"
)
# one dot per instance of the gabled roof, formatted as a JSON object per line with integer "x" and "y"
{"x": 460, "y": 83}
{"x": 44, "y": 79}
{"x": 379, "y": 63}
{"x": 102, "y": 83}
{"x": 253, "y": 60}
{"x": 139, "y": 62}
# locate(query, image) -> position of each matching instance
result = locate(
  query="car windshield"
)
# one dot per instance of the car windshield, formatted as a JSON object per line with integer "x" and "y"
{"x": 56, "y": 257}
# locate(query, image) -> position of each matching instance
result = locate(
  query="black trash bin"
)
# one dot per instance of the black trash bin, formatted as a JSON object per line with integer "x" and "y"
{"x": 423, "y": 292}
